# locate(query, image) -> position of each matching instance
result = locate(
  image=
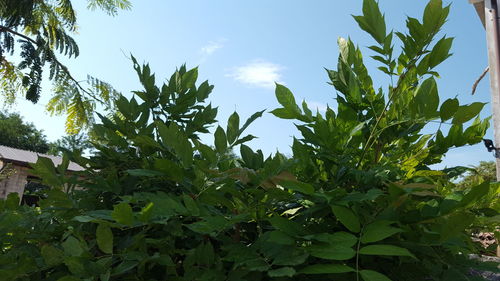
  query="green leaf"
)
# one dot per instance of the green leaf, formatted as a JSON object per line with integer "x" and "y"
{"x": 286, "y": 98}
{"x": 427, "y": 98}
{"x": 385, "y": 250}
{"x": 347, "y": 218}
{"x": 343, "y": 238}
{"x": 332, "y": 252}
{"x": 377, "y": 231}
{"x": 282, "y": 272}
{"x": 298, "y": 186}
{"x": 440, "y": 52}
{"x": 124, "y": 267}
{"x": 326, "y": 269}
{"x": 144, "y": 173}
{"x": 104, "y": 237}
{"x": 123, "y": 214}
{"x": 72, "y": 247}
{"x": 51, "y": 255}
{"x": 247, "y": 155}
{"x": 281, "y": 238}
{"x": 476, "y": 193}
{"x": 233, "y": 125}
{"x": 45, "y": 169}
{"x": 250, "y": 120}
{"x": 434, "y": 16}
{"x": 220, "y": 140}
{"x": 287, "y": 226}
{"x": 448, "y": 109}
{"x": 244, "y": 139}
{"x": 191, "y": 205}
{"x": 69, "y": 278}
{"x": 189, "y": 79}
{"x": 370, "y": 275}
{"x": 372, "y": 21}
{"x": 169, "y": 169}
{"x": 175, "y": 138}
{"x": 284, "y": 113}
{"x": 467, "y": 112}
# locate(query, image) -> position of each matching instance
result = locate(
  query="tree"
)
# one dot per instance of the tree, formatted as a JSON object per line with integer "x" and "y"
{"x": 14, "y": 132}
{"x": 78, "y": 142}
{"x": 484, "y": 172}
{"x": 32, "y": 36}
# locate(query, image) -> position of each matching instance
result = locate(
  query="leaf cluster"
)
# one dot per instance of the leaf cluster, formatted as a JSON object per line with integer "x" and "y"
{"x": 33, "y": 34}
{"x": 358, "y": 200}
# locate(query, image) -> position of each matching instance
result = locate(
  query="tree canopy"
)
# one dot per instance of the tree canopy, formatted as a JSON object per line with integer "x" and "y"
{"x": 33, "y": 34}
{"x": 14, "y": 132}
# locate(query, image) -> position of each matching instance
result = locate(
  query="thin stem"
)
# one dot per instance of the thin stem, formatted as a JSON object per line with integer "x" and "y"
{"x": 357, "y": 253}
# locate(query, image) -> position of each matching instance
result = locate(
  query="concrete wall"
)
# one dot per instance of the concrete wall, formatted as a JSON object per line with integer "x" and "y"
{"x": 15, "y": 182}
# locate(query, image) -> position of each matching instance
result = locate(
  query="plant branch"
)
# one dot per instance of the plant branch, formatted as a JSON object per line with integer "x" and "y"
{"x": 474, "y": 86}
{"x": 55, "y": 60}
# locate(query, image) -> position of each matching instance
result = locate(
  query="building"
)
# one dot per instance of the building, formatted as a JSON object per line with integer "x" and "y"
{"x": 18, "y": 162}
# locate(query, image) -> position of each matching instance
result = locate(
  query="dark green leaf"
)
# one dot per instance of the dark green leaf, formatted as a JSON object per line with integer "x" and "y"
{"x": 326, "y": 269}
{"x": 331, "y": 252}
{"x": 476, "y": 193}
{"x": 342, "y": 238}
{"x": 72, "y": 247}
{"x": 448, "y": 109}
{"x": 144, "y": 173}
{"x": 52, "y": 255}
{"x": 191, "y": 205}
{"x": 377, "y": 231}
{"x": 282, "y": 272}
{"x": 347, "y": 218}
{"x": 370, "y": 275}
{"x": 220, "y": 140}
{"x": 104, "y": 237}
{"x": 385, "y": 250}
{"x": 233, "y": 125}
{"x": 298, "y": 186}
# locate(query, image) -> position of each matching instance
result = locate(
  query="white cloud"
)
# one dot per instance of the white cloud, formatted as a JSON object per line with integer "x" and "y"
{"x": 258, "y": 73}
{"x": 211, "y": 47}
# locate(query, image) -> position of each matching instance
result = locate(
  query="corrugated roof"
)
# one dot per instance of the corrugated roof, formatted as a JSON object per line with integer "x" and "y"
{"x": 26, "y": 156}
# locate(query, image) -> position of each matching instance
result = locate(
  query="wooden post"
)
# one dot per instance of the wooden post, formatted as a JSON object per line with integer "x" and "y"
{"x": 493, "y": 42}
{"x": 492, "y": 38}
{"x": 488, "y": 11}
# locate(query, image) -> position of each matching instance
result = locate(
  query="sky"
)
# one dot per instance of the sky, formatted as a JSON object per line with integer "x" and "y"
{"x": 243, "y": 47}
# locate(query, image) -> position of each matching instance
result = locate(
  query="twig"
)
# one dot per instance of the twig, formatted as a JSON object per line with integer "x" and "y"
{"x": 474, "y": 86}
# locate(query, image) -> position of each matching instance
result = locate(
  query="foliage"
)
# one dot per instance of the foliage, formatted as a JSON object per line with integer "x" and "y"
{"x": 357, "y": 201}
{"x": 78, "y": 142}
{"x": 484, "y": 172}
{"x": 35, "y": 33}
{"x": 14, "y": 132}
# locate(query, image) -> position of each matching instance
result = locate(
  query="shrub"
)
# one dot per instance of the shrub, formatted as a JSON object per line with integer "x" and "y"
{"x": 357, "y": 201}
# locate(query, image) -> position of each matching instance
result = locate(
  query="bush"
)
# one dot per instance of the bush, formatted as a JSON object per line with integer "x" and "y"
{"x": 357, "y": 201}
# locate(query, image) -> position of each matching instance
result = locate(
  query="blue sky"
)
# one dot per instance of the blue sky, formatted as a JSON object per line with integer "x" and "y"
{"x": 242, "y": 47}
